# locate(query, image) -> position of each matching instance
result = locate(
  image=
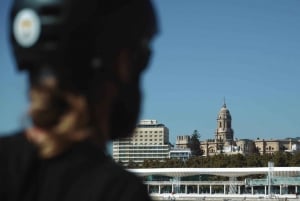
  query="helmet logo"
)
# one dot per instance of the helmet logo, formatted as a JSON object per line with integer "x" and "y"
{"x": 26, "y": 28}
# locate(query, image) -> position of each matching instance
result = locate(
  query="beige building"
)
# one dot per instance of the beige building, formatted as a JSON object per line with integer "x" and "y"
{"x": 270, "y": 146}
{"x": 182, "y": 141}
{"x": 150, "y": 132}
{"x": 224, "y": 141}
{"x": 149, "y": 141}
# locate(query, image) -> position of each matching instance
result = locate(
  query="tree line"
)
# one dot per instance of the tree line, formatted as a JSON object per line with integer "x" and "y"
{"x": 280, "y": 159}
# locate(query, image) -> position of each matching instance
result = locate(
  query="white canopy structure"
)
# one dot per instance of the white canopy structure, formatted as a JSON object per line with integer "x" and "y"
{"x": 227, "y": 172}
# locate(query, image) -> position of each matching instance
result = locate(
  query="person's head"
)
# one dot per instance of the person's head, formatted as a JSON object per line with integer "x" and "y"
{"x": 84, "y": 59}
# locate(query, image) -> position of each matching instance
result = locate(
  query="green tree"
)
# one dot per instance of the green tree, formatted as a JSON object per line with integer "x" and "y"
{"x": 254, "y": 160}
{"x": 195, "y": 144}
{"x": 295, "y": 160}
{"x": 280, "y": 159}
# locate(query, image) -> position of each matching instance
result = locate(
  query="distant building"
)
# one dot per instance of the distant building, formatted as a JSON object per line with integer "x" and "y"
{"x": 246, "y": 146}
{"x": 273, "y": 145}
{"x": 181, "y": 150}
{"x": 180, "y": 153}
{"x": 183, "y": 141}
{"x": 223, "y": 141}
{"x": 149, "y": 141}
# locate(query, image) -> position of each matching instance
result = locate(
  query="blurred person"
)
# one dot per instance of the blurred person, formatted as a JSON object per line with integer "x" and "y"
{"x": 84, "y": 61}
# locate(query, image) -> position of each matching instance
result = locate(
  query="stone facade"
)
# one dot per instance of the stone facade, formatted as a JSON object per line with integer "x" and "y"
{"x": 270, "y": 146}
{"x": 225, "y": 143}
{"x": 183, "y": 141}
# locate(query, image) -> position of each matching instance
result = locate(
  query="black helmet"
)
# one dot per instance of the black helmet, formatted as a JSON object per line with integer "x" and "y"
{"x": 70, "y": 37}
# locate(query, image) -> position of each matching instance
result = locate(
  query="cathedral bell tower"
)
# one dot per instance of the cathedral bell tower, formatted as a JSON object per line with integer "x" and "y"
{"x": 224, "y": 132}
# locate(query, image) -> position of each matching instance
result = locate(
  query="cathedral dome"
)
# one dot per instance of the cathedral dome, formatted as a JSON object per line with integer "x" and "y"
{"x": 224, "y": 113}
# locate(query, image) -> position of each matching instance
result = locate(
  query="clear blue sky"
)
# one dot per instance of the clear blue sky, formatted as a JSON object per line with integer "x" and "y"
{"x": 247, "y": 51}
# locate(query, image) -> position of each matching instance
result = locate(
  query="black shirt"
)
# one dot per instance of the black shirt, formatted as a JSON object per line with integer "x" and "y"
{"x": 83, "y": 173}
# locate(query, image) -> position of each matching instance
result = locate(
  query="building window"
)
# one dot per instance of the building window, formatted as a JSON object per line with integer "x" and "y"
{"x": 146, "y": 131}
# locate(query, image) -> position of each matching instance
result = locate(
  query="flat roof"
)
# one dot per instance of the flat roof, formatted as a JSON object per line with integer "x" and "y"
{"x": 227, "y": 172}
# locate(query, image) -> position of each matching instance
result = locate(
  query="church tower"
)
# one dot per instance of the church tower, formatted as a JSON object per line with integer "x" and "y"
{"x": 224, "y": 132}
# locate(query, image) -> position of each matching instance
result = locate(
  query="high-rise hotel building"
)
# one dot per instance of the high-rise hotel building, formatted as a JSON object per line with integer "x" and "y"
{"x": 150, "y": 140}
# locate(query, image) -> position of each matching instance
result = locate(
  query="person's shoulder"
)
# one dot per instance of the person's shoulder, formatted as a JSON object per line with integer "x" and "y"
{"x": 12, "y": 139}
{"x": 15, "y": 145}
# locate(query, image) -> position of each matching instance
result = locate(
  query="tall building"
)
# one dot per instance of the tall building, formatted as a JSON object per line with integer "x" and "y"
{"x": 224, "y": 132}
{"x": 224, "y": 141}
{"x": 150, "y": 140}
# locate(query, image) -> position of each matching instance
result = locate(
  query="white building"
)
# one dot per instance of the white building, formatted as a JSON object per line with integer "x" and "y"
{"x": 181, "y": 153}
{"x": 150, "y": 140}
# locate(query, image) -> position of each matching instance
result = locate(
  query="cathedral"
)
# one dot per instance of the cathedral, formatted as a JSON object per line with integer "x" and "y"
{"x": 224, "y": 141}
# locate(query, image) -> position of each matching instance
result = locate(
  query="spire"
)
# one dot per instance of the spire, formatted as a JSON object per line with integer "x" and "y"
{"x": 224, "y": 105}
